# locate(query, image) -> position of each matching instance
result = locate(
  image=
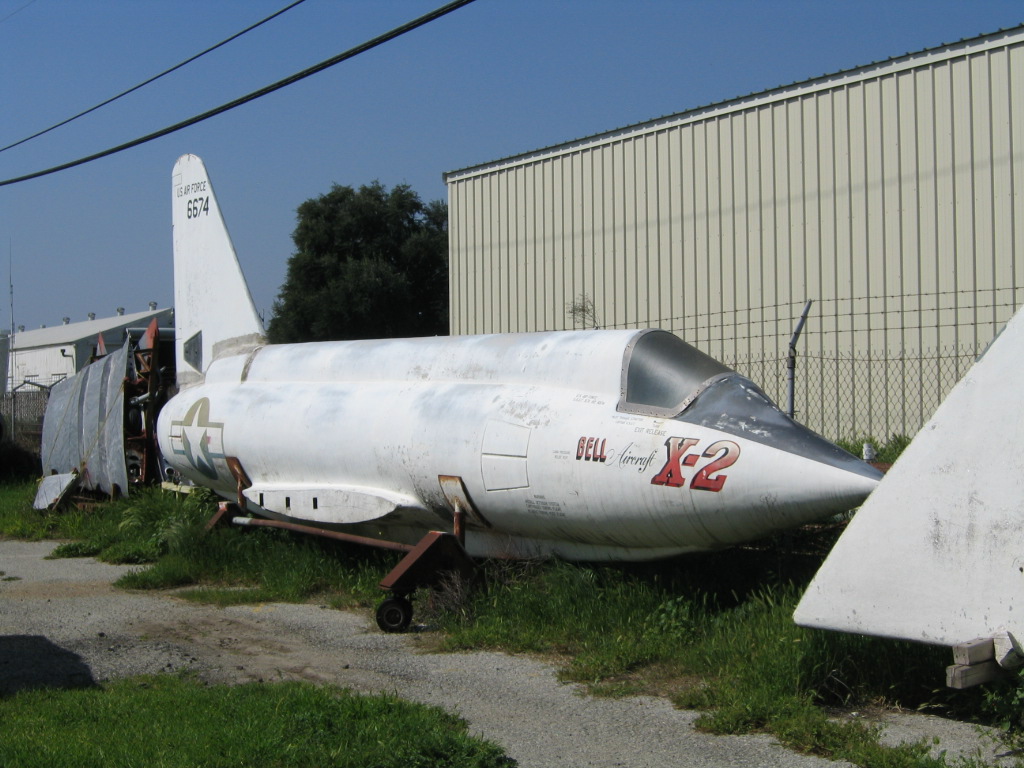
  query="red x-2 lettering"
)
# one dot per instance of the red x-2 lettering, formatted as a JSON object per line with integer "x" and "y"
{"x": 723, "y": 454}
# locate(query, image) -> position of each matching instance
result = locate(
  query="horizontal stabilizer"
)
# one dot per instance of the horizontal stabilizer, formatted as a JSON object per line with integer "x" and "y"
{"x": 934, "y": 554}
{"x": 332, "y": 504}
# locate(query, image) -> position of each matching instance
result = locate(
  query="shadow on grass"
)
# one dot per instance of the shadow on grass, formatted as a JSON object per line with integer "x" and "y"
{"x": 28, "y": 662}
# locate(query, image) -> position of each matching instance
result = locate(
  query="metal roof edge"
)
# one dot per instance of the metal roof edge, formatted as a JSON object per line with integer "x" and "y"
{"x": 892, "y": 65}
{"x": 72, "y": 332}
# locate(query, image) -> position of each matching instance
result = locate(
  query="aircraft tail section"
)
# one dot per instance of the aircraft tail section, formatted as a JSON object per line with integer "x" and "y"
{"x": 213, "y": 309}
{"x": 934, "y": 554}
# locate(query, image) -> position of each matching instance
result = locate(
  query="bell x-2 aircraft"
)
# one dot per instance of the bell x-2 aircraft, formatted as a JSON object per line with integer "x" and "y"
{"x": 590, "y": 445}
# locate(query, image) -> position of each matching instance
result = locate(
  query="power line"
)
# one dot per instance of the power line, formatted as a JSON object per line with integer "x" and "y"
{"x": 352, "y": 52}
{"x": 152, "y": 79}
{"x": 16, "y": 11}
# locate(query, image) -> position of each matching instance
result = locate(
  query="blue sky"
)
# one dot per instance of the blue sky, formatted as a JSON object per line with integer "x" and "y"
{"x": 493, "y": 79}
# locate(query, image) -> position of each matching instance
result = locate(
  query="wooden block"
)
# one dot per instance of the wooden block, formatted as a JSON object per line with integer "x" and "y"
{"x": 1008, "y": 653}
{"x": 176, "y": 488}
{"x": 966, "y": 676}
{"x": 974, "y": 652}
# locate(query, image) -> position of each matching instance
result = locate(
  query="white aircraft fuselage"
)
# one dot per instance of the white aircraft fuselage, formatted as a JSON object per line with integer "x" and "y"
{"x": 588, "y": 445}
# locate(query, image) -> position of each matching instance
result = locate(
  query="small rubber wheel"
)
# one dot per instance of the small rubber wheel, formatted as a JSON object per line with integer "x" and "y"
{"x": 394, "y": 614}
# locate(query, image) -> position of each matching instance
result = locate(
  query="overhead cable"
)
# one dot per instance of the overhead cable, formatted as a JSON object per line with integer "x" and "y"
{"x": 352, "y": 52}
{"x": 152, "y": 79}
{"x": 16, "y": 10}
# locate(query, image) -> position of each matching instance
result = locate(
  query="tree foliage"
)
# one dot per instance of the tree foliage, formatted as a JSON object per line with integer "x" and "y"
{"x": 368, "y": 263}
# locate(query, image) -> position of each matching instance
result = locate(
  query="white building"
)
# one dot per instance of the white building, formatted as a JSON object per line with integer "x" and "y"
{"x": 46, "y": 355}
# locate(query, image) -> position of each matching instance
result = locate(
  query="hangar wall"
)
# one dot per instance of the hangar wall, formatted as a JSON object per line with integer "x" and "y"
{"x": 890, "y": 195}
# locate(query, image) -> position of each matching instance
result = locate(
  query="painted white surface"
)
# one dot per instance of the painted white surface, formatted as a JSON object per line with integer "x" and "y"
{"x": 45, "y": 365}
{"x": 400, "y": 435}
{"x": 359, "y": 433}
{"x": 935, "y": 554}
{"x": 210, "y": 292}
{"x": 46, "y": 355}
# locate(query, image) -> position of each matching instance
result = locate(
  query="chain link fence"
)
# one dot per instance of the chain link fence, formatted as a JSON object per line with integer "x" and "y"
{"x": 22, "y": 410}
{"x": 863, "y": 394}
{"x": 872, "y": 367}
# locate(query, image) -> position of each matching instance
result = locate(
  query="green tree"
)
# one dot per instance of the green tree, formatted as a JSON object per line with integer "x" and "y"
{"x": 368, "y": 263}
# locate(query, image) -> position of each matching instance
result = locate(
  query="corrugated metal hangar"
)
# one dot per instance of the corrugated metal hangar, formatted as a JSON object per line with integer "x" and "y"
{"x": 890, "y": 195}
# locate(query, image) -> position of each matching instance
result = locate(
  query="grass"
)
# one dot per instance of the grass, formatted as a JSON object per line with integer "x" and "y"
{"x": 886, "y": 452}
{"x": 731, "y": 651}
{"x": 169, "y": 721}
{"x": 229, "y": 566}
{"x": 17, "y": 518}
{"x": 713, "y": 632}
{"x": 166, "y": 534}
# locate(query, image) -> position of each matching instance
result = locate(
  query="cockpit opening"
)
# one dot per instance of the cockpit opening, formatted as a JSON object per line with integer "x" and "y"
{"x": 662, "y": 374}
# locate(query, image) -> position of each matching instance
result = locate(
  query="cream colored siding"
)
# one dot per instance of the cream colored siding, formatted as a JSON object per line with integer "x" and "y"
{"x": 890, "y": 195}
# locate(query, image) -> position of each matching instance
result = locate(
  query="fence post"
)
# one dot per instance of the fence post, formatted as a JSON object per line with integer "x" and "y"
{"x": 791, "y": 360}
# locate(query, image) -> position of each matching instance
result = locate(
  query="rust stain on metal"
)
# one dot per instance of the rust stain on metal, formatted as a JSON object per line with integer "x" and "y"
{"x": 259, "y": 522}
{"x": 241, "y": 478}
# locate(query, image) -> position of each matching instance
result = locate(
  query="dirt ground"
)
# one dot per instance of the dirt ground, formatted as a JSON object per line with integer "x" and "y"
{"x": 63, "y": 624}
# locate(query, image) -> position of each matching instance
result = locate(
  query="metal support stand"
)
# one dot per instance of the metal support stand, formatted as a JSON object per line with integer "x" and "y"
{"x": 437, "y": 555}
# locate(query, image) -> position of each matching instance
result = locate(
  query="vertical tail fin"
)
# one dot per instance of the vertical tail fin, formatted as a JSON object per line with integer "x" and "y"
{"x": 935, "y": 553}
{"x": 213, "y": 309}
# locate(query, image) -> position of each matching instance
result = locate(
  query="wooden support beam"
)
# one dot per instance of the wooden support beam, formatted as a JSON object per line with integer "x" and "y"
{"x": 974, "y": 652}
{"x": 968, "y": 675}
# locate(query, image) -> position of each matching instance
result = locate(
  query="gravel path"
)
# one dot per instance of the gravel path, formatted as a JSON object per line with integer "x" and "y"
{"x": 62, "y": 623}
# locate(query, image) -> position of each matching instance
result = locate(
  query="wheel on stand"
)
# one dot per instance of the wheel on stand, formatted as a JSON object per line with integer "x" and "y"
{"x": 394, "y": 614}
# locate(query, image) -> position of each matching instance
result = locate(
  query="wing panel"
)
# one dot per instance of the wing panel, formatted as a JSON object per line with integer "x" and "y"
{"x": 329, "y": 504}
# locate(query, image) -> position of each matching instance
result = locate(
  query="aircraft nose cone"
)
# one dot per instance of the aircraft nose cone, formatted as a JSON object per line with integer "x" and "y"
{"x": 803, "y": 490}
{"x": 857, "y": 477}
{"x": 839, "y": 486}
{"x": 837, "y": 481}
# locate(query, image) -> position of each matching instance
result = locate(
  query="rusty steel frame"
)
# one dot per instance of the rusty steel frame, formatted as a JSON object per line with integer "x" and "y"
{"x": 259, "y": 522}
{"x": 437, "y": 553}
